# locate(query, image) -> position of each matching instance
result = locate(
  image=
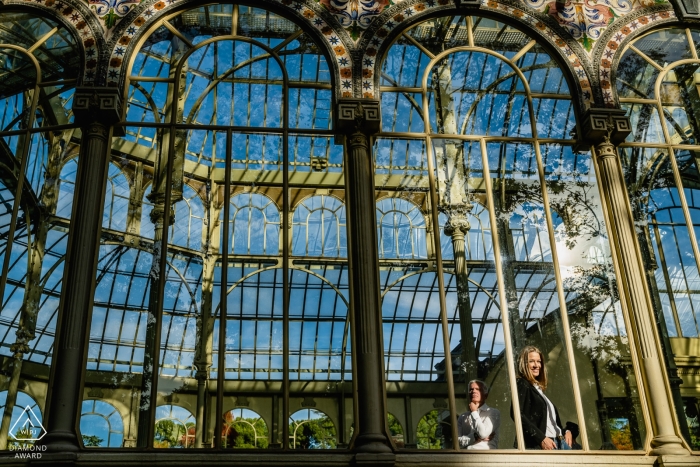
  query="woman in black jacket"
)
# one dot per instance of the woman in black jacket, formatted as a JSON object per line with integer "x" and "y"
{"x": 542, "y": 428}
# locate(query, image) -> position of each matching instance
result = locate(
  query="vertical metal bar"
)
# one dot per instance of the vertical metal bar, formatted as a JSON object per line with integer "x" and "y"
{"x": 502, "y": 296}
{"x": 433, "y": 202}
{"x": 691, "y": 43}
{"x": 470, "y": 32}
{"x": 286, "y": 245}
{"x": 223, "y": 303}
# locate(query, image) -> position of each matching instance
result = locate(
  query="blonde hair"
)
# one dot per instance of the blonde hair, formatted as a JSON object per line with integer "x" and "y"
{"x": 524, "y": 369}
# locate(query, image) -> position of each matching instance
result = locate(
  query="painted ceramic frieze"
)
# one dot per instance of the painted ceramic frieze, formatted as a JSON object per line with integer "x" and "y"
{"x": 303, "y": 12}
{"x": 356, "y": 15}
{"x": 614, "y": 45}
{"x": 111, "y": 11}
{"x": 586, "y": 20}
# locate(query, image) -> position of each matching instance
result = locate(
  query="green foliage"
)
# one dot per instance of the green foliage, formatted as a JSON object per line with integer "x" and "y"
{"x": 245, "y": 433}
{"x": 396, "y": 430}
{"x": 427, "y": 434}
{"x": 92, "y": 441}
{"x": 318, "y": 433}
{"x": 170, "y": 434}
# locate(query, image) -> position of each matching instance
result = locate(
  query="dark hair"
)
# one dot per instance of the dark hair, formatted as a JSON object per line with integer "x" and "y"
{"x": 483, "y": 387}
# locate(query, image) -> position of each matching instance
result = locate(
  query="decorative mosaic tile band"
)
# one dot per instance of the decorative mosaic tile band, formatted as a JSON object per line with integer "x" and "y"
{"x": 304, "y": 13}
{"x": 369, "y": 60}
{"x": 613, "y": 46}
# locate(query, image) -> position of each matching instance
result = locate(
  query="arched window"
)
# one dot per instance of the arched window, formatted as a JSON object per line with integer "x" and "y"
{"x": 432, "y": 429}
{"x": 25, "y": 409}
{"x": 101, "y": 424}
{"x": 477, "y": 120}
{"x": 311, "y": 429}
{"x": 401, "y": 229}
{"x": 175, "y": 427}
{"x": 655, "y": 81}
{"x": 318, "y": 227}
{"x": 396, "y": 430}
{"x": 254, "y": 226}
{"x": 244, "y": 429}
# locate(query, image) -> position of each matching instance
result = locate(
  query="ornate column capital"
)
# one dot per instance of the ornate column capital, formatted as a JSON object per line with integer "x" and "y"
{"x": 457, "y": 218}
{"x": 605, "y": 125}
{"x": 97, "y": 105}
{"x": 361, "y": 115}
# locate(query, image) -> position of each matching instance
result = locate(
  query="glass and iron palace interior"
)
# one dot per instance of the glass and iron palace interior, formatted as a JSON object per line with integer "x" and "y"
{"x": 260, "y": 230}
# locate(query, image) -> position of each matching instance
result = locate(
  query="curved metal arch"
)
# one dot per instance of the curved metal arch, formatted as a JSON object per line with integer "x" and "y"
{"x": 89, "y": 44}
{"x": 531, "y": 302}
{"x": 483, "y": 92}
{"x": 151, "y": 103}
{"x": 478, "y": 286}
{"x": 196, "y": 107}
{"x": 117, "y": 253}
{"x": 309, "y": 196}
{"x": 301, "y": 423}
{"x": 347, "y": 325}
{"x": 514, "y": 67}
{"x": 280, "y": 63}
{"x": 654, "y": 21}
{"x": 567, "y": 63}
{"x": 304, "y": 21}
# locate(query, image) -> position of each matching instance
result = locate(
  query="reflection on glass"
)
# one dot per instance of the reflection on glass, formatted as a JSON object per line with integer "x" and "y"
{"x": 663, "y": 184}
{"x": 519, "y": 258}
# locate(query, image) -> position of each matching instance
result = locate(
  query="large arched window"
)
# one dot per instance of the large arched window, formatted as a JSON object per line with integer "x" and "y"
{"x": 401, "y": 229}
{"x": 658, "y": 74}
{"x": 477, "y": 118}
{"x": 25, "y": 408}
{"x": 311, "y": 429}
{"x": 238, "y": 273}
{"x": 318, "y": 227}
{"x": 656, "y": 83}
{"x": 40, "y": 60}
{"x": 255, "y": 225}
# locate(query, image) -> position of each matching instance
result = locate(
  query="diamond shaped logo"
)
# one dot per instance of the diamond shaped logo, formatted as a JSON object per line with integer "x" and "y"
{"x": 27, "y": 427}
